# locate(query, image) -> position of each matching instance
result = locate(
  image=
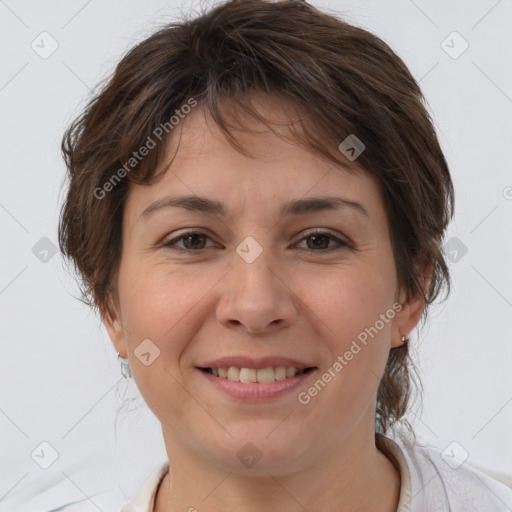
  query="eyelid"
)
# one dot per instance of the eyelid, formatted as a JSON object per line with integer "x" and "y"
{"x": 176, "y": 238}
{"x": 339, "y": 239}
{"x": 321, "y": 231}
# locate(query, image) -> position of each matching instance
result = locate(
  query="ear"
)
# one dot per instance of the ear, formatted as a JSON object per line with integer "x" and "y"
{"x": 412, "y": 307}
{"x": 111, "y": 318}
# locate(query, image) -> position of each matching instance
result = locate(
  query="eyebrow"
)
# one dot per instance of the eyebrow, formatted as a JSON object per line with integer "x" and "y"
{"x": 200, "y": 204}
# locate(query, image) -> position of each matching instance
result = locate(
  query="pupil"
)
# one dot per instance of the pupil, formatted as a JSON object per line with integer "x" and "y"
{"x": 193, "y": 237}
{"x": 316, "y": 239}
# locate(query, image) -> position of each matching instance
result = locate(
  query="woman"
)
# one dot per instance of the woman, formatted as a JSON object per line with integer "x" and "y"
{"x": 257, "y": 204}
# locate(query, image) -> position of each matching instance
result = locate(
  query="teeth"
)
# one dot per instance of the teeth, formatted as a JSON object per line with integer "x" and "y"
{"x": 265, "y": 375}
{"x": 280, "y": 373}
{"x": 251, "y": 375}
{"x": 246, "y": 375}
{"x": 234, "y": 373}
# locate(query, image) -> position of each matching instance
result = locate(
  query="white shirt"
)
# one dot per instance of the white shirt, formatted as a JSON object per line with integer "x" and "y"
{"x": 430, "y": 482}
{"x": 436, "y": 482}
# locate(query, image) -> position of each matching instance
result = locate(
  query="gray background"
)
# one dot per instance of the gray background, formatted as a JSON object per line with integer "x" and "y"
{"x": 60, "y": 379}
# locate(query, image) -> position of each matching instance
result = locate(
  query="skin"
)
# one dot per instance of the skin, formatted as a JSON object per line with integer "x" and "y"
{"x": 291, "y": 301}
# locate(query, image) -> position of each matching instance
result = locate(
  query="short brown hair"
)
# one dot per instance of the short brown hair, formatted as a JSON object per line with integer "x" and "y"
{"x": 349, "y": 82}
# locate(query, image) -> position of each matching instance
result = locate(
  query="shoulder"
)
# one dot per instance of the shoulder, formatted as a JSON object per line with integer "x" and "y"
{"x": 145, "y": 498}
{"x": 444, "y": 480}
{"x": 108, "y": 501}
{"x": 112, "y": 501}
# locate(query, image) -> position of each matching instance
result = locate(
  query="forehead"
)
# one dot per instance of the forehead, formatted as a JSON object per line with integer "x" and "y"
{"x": 203, "y": 162}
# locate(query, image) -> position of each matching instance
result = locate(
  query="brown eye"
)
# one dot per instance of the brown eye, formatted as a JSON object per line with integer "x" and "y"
{"x": 318, "y": 241}
{"x": 193, "y": 241}
{"x": 323, "y": 242}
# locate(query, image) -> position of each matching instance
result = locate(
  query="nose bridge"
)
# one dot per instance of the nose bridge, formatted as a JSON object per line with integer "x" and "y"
{"x": 255, "y": 276}
{"x": 254, "y": 293}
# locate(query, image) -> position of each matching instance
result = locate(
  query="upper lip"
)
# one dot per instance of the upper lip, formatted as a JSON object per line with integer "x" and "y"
{"x": 251, "y": 362}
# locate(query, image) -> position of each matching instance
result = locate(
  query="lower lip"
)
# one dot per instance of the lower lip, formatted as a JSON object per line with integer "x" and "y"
{"x": 257, "y": 391}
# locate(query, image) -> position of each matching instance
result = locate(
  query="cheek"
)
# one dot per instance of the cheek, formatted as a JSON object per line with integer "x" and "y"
{"x": 357, "y": 309}
{"x": 157, "y": 305}
{"x": 348, "y": 302}
{"x": 158, "y": 300}
{"x": 160, "y": 306}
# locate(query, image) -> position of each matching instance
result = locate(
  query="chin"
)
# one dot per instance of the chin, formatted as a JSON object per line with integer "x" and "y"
{"x": 259, "y": 448}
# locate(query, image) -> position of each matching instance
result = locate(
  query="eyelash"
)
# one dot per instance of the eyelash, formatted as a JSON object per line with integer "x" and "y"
{"x": 171, "y": 244}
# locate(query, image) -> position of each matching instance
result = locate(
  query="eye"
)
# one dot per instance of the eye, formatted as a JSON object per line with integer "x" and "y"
{"x": 320, "y": 241}
{"x": 193, "y": 240}
{"x": 317, "y": 241}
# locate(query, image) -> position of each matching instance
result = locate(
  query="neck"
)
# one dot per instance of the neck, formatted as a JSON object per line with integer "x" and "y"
{"x": 355, "y": 477}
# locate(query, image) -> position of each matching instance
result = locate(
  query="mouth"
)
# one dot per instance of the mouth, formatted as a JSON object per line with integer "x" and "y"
{"x": 257, "y": 375}
{"x": 256, "y": 385}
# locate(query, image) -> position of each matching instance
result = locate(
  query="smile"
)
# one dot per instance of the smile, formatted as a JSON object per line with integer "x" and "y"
{"x": 252, "y": 375}
{"x": 256, "y": 384}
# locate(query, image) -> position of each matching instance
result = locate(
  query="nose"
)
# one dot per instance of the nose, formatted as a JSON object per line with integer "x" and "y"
{"x": 255, "y": 298}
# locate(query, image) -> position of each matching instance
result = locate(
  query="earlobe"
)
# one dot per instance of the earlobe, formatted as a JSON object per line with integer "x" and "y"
{"x": 400, "y": 332}
{"x": 410, "y": 313}
{"x": 111, "y": 318}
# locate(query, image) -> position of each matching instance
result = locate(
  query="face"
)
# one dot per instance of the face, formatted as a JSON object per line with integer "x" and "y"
{"x": 257, "y": 286}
